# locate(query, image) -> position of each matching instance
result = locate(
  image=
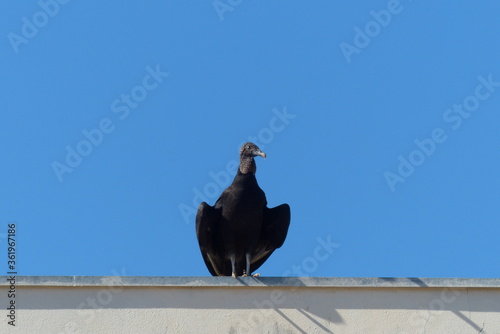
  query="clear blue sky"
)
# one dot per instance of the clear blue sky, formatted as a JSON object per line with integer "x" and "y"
{"x": 380, "y": 122}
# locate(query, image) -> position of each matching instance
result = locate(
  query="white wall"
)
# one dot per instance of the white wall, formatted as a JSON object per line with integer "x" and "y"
{"x": 273, "y": 305}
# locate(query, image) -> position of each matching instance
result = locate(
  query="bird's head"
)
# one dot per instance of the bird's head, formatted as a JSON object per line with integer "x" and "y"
{"x": 250, "y": 150}
{"x": 247, "y": 153}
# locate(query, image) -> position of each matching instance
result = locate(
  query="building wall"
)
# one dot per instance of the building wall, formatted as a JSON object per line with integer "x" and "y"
{"x": 249, "y": 305}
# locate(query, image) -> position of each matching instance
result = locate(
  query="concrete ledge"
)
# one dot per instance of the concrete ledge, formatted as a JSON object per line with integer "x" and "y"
{"x": 274, "y": 305}
{"x": 202, "y": 282}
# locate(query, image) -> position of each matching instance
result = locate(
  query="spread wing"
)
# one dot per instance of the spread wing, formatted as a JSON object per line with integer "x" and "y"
{"x": 273, "y": 234}
{"x": 207, "y": 222}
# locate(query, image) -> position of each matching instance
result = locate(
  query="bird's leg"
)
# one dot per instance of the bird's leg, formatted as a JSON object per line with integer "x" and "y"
{"x": 232, "y": 257}
{"x": 248, "y": 257}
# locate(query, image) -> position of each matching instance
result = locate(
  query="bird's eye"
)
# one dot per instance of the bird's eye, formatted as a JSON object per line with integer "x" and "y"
{"x": 248, "y": 147}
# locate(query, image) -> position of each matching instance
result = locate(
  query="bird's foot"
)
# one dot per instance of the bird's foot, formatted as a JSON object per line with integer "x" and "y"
{"x": 256, "y": 275}
{"x": 244, "y": 275}
{"x": 233, "y": 275}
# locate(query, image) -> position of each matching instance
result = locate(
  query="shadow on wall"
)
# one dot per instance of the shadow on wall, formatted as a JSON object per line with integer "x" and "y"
{"x": 265, "y": 297}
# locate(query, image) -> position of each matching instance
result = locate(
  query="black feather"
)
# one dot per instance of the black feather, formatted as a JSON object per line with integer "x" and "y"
{"x": 240, "y": 223}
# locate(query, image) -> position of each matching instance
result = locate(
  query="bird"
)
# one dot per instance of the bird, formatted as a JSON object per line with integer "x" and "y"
{"x": 239, "y": 233}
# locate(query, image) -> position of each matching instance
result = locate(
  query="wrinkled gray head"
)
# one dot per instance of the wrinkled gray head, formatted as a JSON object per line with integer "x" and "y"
{"x": 250, "y": 150}
{"x": 247, "y": 152}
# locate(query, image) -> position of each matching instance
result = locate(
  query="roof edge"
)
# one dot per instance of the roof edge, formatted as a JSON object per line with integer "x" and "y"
{"x": 272, "y": 282}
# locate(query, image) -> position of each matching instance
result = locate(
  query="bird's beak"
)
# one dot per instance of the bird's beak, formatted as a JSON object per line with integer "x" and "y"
{"x": 262, "y": 154}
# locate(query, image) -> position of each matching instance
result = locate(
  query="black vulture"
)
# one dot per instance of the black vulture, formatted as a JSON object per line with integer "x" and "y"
{"x": 239, "y": 233}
